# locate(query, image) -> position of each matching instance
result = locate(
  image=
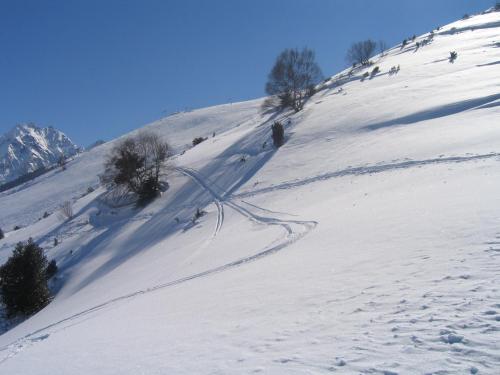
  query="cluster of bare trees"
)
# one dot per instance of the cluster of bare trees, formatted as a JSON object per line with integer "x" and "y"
{"x": 136, "y": 164}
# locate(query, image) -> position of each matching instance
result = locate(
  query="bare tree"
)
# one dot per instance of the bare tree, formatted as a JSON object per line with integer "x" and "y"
{"x": 293, "y": 77}
{"x": 135, "y": 165}
{"x": 66, "y": 210}
{"x": 382, "y": 47}
{"x": 361, "y": 52}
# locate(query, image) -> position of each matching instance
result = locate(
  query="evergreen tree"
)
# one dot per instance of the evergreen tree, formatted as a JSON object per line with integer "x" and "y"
{"x": 23, "y": 280}
{"x": 278, "y": 134}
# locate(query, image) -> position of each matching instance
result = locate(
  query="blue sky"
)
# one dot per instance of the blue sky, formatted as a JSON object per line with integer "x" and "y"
{"x": 99, "y": 68}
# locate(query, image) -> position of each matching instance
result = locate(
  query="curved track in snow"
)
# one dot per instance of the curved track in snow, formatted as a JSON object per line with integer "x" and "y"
{"x": 366, "y": 170}
{"x": 295, "y": 230}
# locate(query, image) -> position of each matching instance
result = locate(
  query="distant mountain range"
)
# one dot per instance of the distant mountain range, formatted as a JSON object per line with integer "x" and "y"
{"x": 27, "y": 148}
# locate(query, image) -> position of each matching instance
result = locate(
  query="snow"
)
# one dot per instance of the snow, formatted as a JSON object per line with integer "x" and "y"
{"x": 369, "y": 243}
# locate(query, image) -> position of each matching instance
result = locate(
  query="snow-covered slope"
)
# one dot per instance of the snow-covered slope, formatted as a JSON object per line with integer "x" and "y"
{"x": 368, "y": 243}
{"x": 27, "y": 148}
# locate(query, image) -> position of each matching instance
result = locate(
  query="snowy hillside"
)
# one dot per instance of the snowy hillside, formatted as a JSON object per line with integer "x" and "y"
{"x": 369, "y": 243}
{"x": 27, "y": 148}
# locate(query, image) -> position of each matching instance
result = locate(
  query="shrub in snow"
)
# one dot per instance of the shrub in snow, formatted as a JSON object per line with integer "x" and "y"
{"x": 135, "y": 166}
{"x": 45, "y": 214}
{"x": 1, "y": 234}
{"x": 198, "y": 140}
{"x": 51, "y": 269}
{"x": 465, "y": 17}
{"x": 293, "y": 78}
{"x": 394, "y": 70}
{"x": 453, "y": 56}
{"x": 199, "y": 213}
{"x": 66, "y": 210}
{"x": 361, "y": 52}
{"x": 375, "y": 71}
{"x": 62, "y": 161}
{"x": 497, "y": 6}
{"x": 17, "y": 227}
{"x": 364, "y": 76}
{"x": 23, "y": 285}
{"x": 278, "y": 134}
{"x": 148, "y": 191}
{"x": 56, "y": 241}
{"x": 404, "y": 43}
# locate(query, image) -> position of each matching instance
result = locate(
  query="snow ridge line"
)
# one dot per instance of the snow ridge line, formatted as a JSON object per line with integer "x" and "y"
{"x": 358, "y": 171}
{"x": 295, "y": 230}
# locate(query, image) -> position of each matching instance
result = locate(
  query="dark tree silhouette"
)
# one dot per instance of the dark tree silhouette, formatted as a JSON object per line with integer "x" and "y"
{"x": 361, "y": 52}
{"x": 278, "y": 134}
{"x": 23, "y": 280}
{"x": 293, "y": 77}
{"x": 136, "y": 164}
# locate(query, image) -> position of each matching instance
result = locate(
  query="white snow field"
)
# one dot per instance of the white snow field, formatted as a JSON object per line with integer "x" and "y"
{"x": 368, "y": 244}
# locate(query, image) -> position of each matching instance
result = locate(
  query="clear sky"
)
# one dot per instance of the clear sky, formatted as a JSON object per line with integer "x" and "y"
{"x": 98, "y": 68}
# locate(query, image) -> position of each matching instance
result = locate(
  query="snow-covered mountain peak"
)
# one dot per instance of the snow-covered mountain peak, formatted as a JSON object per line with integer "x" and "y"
{"x": 27, "y": 147}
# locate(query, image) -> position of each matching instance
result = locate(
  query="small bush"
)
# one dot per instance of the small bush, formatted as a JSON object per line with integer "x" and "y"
{"x": 198, "y": 140}
{"x": 278, "y": 134}
{"x": 394, "y": 70}
{"x": 465, "y": 17}
{"x": 45, "y": 215}
{"x": 17, "y": 227}
{"x": 90, "y": 189}
{"x": 1, "y": 234}
{"x": 453, "y": 56}
{"x": 365, "y": 76}
{"x": 56, "y": 241}
{"x": 66, "y": 210}
{"x": 23, "y": 278}
{"x": 62, "y": 161}
{"x": 51, "y": 269}
{"x": 199, "y": 213}
{"x": 375, "y": 71}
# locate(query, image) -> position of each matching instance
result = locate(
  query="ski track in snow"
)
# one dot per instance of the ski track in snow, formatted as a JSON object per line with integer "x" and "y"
{"x": 364, "y": 170}
{"x": 295, "y": 230}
